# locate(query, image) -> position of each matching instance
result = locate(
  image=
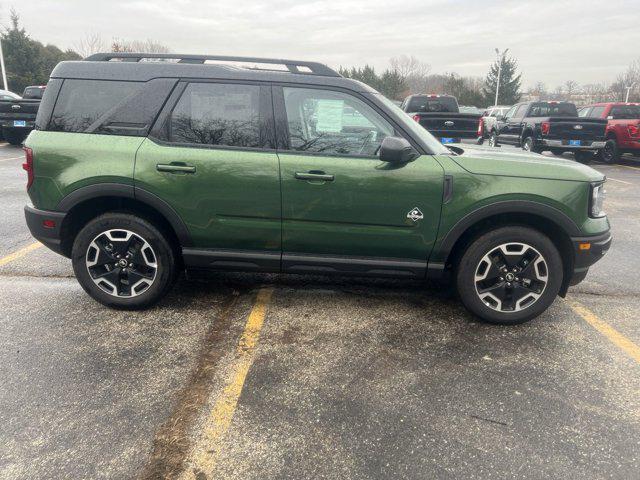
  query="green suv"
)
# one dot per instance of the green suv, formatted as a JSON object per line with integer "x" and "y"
{"x": 142, "y": 166}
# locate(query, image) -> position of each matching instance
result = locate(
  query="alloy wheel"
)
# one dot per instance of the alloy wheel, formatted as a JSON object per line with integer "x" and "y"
{"x": 511, "y": 277}
{"x": 121, "y": 263}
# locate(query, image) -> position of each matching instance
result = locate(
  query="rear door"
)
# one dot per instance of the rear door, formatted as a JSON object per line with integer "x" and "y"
{"x": 211, "y": 157}
{"x": 343, "y": 209}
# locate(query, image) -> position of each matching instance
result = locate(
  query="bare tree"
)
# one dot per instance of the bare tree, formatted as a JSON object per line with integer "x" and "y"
{"x": 414, "y": 72}
{"x": 571, "y": 87}
{"x": 91, "y": 43}
{"x": 138, "y": 46}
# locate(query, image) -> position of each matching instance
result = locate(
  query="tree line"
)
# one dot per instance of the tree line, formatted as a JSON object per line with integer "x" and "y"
{"x": 29, "y": 62}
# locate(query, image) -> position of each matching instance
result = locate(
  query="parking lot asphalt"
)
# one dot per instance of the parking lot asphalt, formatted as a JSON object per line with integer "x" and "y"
{"x": 268, "y": 376}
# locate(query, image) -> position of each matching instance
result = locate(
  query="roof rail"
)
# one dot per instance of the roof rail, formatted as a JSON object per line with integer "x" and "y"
{"x": 309, "y": 68}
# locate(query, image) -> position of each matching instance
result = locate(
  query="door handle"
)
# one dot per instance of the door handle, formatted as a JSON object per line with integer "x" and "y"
{"x": 314, "y": 175}
{"x": 175, "y": 168}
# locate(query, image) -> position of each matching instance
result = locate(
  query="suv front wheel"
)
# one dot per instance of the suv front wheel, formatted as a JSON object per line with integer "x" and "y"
{"x": 123, "y": 261}
{"x": 509, "y": 275}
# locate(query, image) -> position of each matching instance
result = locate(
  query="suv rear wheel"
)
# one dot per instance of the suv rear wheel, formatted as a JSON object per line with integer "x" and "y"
{"x": 509, "y": 275}
{"x": 123, "y": 261}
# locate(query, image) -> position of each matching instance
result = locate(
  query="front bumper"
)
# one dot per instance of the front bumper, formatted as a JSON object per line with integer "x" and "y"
{"x": 586, "y": 252}
{"x": 46, "y": 227}
{"x": 565, "y": 146}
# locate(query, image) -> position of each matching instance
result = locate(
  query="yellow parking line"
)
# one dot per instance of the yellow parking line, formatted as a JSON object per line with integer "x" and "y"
{"x": 607, "y": 330}
{"x": 19, "y": 253}
{"x": 202, "y": 458}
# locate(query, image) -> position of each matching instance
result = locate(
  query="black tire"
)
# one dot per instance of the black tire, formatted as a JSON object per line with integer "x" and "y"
{"x": 493, "y": 139}
{"x": 584, "y": 156}
{"x": 501, "y": 312}
{"x": 14, "y": 137}
{"x": 610, "y": 153}
{"x": 153, "y": 248}
{"x": 557, "y": 152}
{"x": 529, "y": 145}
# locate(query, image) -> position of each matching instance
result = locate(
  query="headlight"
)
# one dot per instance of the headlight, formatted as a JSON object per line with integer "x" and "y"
{"x": 597, "y": 200}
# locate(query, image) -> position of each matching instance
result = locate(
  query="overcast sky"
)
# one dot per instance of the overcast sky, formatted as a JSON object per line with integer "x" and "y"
{"x": 588, "y": 41}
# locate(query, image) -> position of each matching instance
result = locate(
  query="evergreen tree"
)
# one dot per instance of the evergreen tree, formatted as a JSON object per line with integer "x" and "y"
{"x": 509, "y": 92}
{"x": 29, "y": 62}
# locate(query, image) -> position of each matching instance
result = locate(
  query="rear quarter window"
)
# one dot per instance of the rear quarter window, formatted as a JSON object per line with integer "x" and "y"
{"x": 109, "y": 107}
{"x": 82, "y": 103}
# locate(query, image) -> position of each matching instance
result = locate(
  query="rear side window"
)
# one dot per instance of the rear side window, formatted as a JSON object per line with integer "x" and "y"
{"x": 84, "y": 104}
{"x": 625, "y": 112}
{"x": 219, "y": 114}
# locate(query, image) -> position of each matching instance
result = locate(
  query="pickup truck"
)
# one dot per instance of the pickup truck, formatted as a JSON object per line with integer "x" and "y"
{"x": 488, "y": 120}
{"x": 550, "y": 126}
{"x": 623, "y": 128}
{"x": 18, "y": 116}
{"x": 441, "y": 116}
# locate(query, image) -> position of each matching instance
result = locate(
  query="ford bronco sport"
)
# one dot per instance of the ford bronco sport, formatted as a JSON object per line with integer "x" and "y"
{"x": 142, "y": 166}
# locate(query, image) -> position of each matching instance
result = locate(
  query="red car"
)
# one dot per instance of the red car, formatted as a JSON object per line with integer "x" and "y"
{"x": 623, "y": 128}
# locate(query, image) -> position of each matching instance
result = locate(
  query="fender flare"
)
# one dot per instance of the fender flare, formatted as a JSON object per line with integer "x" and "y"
{"x": 509, "y": 206}
{"x": 98, "y": 190}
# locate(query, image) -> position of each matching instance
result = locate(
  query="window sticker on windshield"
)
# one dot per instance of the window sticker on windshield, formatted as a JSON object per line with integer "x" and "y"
{"x": 329, "y": 116}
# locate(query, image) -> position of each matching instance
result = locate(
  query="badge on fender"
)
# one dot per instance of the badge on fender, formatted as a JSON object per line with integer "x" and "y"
{"x": 415, "y": 214}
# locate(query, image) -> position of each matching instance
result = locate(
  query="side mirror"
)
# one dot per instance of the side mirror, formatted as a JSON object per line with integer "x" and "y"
{"x": 501, "y": 118}
{"x": 397, "y": 150}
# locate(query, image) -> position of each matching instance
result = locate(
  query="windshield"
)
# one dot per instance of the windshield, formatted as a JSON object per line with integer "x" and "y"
{"x": 544, "y": 109}
{"x": 434, "y": 145}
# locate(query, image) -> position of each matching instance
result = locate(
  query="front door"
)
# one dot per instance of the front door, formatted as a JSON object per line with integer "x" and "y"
{"x": 343, "y": 208}
{"x": 214, "y": 163}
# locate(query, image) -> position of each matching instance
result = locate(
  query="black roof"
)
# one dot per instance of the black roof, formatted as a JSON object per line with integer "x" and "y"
{"x": 144, "y": 67}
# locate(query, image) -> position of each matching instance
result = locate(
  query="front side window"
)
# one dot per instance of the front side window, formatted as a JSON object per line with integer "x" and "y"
{"x": 334, "y": 123}
{"x": 219, "y": 114}
{"x": 83, "y": 104}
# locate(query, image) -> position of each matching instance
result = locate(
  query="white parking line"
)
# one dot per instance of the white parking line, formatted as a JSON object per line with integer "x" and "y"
{"x": 621, "y": 181}
{"x": 12, "y": 158}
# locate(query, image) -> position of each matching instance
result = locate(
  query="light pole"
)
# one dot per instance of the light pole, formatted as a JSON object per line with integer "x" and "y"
{"x": 4, "y": 73}
{"x": 500, "y": 57}
{"x": 626, "y": 98}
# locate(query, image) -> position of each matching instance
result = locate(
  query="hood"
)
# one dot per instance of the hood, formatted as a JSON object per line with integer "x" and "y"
{"x": 494, "y": 161}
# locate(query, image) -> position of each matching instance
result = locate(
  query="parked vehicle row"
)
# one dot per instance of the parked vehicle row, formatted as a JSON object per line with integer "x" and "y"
{"x": 18, "y": 115}
{"x": 549, "y": 126}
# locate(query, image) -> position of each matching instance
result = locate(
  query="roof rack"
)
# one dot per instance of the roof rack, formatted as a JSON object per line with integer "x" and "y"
{"x": 308, "y": 68}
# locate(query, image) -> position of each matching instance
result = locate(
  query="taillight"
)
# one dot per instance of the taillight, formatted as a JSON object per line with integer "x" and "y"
{"x": 28, "y": 165}
{"x": 545, "y": 127}
{"x": 480, "y": 128}
{"x": 634, "y": 130}
{"x": 416, "y": 118}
